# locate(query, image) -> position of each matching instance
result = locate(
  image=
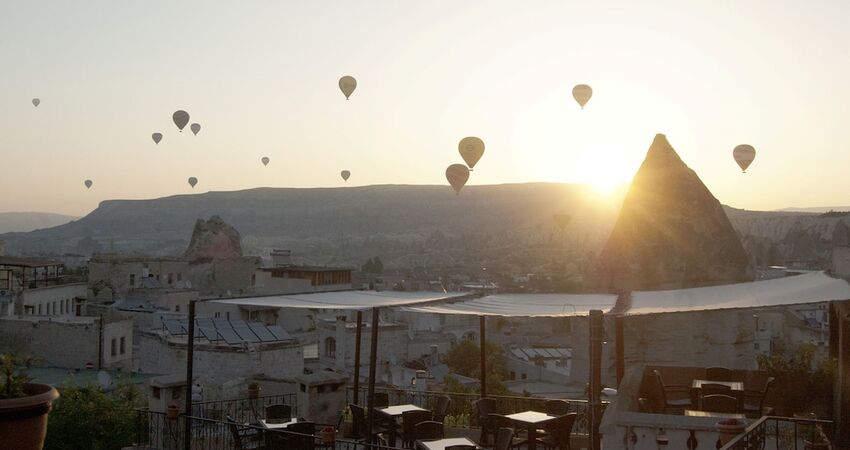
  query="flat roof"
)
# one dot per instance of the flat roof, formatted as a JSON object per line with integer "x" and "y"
{"x": 351, "y": 300}
{"x": 16, "y": 261}
{"x": 308, "y": 268}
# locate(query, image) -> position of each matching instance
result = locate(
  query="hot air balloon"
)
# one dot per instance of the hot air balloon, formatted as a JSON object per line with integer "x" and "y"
{"x": 193, "y": 181}
{"x": 582, "y": 93}
{"x": 347, "y": 85}
{"x": 471, "y": 149}
{"x": 35, "y": 102}
{"x": 744, "y": 155}
{"x": 181, "y": 118}
{"x": 265, "y": 160}
{"x": 156, "y": 137}
{"x": 345, "y": 174}
{"x": 88, "y": 184}
{"x": 457, "y": 174}
{"x": 195, "y": 127}
{"x": 562, "y": 220}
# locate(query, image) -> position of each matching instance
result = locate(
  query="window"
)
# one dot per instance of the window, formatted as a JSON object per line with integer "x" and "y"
{"x": 217, "y": 315}
{"x": 132, "y": 279}
{"x": 330, "y": 347}
{"x": 39, "y": 309}
{"x": 179, "y": 276}
{"x": 155, "y": 392}
{"x": 524, "y": 376}
{"x": 227, "y": 315}
{"x": 114, "y": 347}
{"x": 756, "y": 345}
{"x": 176, "y": 308}
{"x": 122, "y": 349}
{"x": 170, "y": 278}
{"x": 54, "y": 308}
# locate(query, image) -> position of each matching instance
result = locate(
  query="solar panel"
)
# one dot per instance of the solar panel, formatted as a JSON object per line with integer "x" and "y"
{"x": 229, "y": 336}
{"x": 204, "y": 322}
{"x": 238, "y": 323}
{"x": 246, "y": 334}
{"x": 209, "y": 333}
{"x": 221, "y": 323}
{"x": 173, "y": 326}
{"x": 262, "y": 332}
{"x": 279, "y": 333}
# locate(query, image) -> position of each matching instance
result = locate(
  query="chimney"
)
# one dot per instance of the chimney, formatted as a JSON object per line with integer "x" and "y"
{"x": 281, "y": 258}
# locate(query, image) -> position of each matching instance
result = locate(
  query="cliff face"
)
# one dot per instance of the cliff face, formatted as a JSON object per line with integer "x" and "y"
{"x": 671, "y": 232}
{"x": 213, "y": 239}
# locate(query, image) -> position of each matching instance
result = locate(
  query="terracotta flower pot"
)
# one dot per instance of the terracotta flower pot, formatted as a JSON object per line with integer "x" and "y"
{"x": 328, "y": 435}
{"x": 728, "y": 429}
{"x": 23, "y": 421}
{"x": 172, "y": 411}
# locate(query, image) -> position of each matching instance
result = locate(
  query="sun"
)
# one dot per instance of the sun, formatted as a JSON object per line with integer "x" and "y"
{"x": 604, "y": 172}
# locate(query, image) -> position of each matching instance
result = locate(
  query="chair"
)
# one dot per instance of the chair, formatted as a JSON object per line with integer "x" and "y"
{"x": 244, "y": 438}
{"x": 274, "y": 412}
{"x": 382, "y": 399}
{"x": 559, "y": 431}
{"x": 718, "y": 374}
{"x": 681, "y": 394}
{"x": 441, "y": 408}
{"x": 301, "y": 437}
{"x": 428, "y": 430}
{"x": 556, "y": 407}
{"x": 712, "y": 389}
{"x": 359, "y": 426}
{"x": 484, "y": 408}
{"x": 754, "y": 399}
{"x": 719, "y": 403}
{"x": 504, "y": 439}
{"x": 409, "y": 421}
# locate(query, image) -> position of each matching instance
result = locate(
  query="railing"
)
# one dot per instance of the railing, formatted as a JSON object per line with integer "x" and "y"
{"x": 247, "y": 410}
{"x": 462, "y": 412}
{"x": 781, "y": 433}
{"x": 156, "y": 431}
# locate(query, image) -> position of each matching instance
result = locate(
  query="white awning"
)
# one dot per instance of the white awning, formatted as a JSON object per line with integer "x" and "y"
{"x": 354, "y": 300}
{"x": 809, "y": 288}
{"x": 524, "y": 305}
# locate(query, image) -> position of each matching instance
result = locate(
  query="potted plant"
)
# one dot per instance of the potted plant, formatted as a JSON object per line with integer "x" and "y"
{"x": 253, "y": 390}
{"x": 23, "y": 406}
{"x": 729, "y": 428}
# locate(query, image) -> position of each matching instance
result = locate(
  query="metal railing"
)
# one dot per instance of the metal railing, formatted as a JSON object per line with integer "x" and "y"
{"x": 781, "y": 433}
{"x": 157, "y": 431}
{"x": 247, "y": 410}
{"x": 462, "y": 412}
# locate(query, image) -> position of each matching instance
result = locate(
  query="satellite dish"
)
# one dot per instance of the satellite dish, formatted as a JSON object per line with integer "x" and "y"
{"x": 104, "y": 379}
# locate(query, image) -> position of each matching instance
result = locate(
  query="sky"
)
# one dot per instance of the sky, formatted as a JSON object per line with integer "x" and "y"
{"x": 261, "y": 79}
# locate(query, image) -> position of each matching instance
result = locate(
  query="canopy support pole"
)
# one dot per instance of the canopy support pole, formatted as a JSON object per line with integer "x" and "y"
{"x": 619, "y": 348}
{"x": 359, "y": 334}
{"x": 482, "y": 331}
{"x": 190, "y": 356}
{"x": 373, "y": 361}
{"x": 595, "y": 389}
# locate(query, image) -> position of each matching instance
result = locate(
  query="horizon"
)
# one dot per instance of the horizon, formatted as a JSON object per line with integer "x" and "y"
{"x": 108, "y": 75}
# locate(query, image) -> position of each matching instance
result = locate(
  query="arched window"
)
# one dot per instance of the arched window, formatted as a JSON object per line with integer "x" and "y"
{"x": 330, "y": 347}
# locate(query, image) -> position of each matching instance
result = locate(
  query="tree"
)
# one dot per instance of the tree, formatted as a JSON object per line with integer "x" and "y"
{"x": 464, "y": 359}
{"x": 87, "y": 418}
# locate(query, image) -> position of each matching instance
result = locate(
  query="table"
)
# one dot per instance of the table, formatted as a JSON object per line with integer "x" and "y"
{"x": 441, "y": 444}
{"x": 694, "y": 413}
{"x": 278, "y": 426}
{"x": 530, "y": 419}
{"x": 736, "y": 387}
{"x": 398, "y": 410}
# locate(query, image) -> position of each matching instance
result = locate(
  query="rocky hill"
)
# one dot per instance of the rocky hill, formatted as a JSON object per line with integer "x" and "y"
{"x": 671, "y": 232}
{"x": 28, "y": 221}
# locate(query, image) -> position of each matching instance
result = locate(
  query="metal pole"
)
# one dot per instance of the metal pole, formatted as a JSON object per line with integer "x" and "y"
{"x": 190, "y": 354}
{"x": 594, "y": 402}
{"x": 482, "y": 331}
{"x": 373, "y": 358}
{"x": 100, "y": 344}
{"x": 620, "y": 347}
{"x": 357, "y": 358}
